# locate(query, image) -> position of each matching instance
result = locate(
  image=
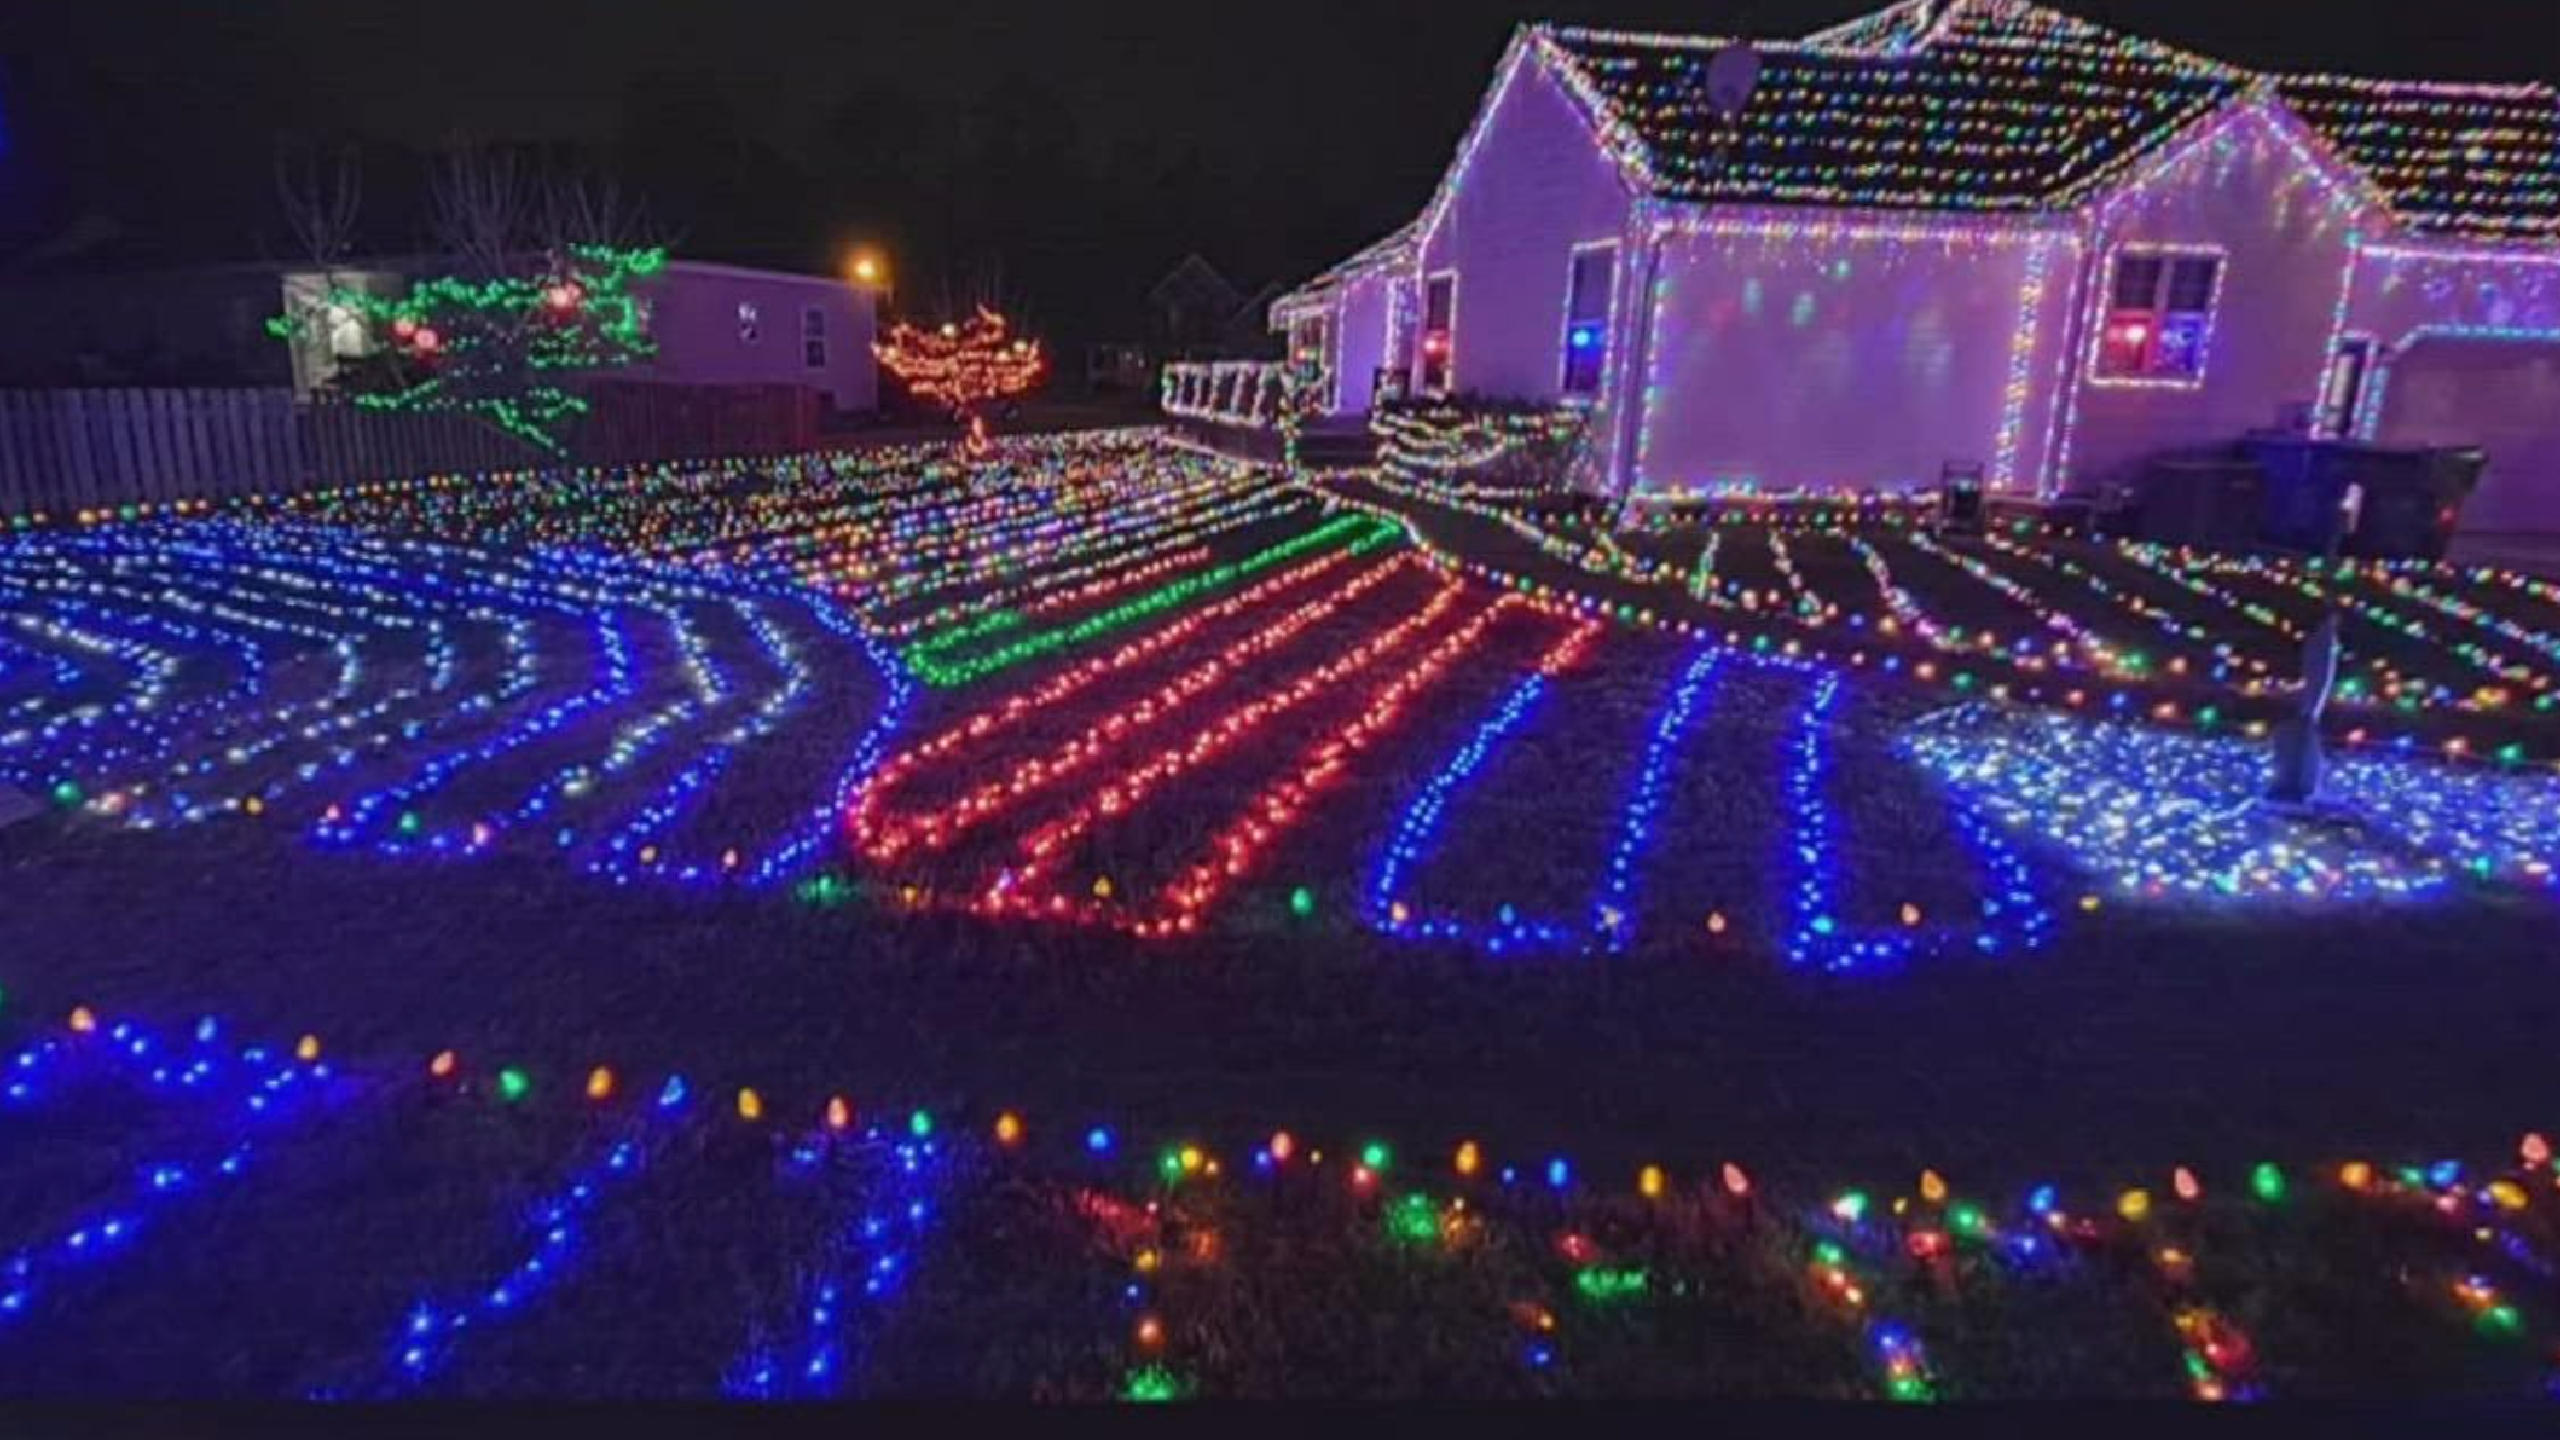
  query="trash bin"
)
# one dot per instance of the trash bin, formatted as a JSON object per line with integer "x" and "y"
{"x": 2211, "y": 502}
{"x": 2343, "y": 497}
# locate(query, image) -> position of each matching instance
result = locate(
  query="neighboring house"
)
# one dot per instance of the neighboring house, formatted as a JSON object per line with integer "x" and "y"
{"x": 1195, "y": 312}
{"x": 1189, "y": 309}
{"x": 715, "y": 325}
{"x": 1975, "y": 232}
{"x": 724, "y": 325}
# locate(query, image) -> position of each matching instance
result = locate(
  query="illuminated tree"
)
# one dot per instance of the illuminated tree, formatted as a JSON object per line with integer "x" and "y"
{"x": 962, "y": 365}
{"x": 541, "y": 296}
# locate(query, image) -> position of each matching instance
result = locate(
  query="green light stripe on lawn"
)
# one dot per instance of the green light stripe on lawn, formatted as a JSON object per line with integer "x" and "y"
{"x": 1361, "y": 531}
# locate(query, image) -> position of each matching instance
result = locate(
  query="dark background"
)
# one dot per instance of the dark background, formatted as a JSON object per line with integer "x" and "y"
{"x": 1062, "y": 156}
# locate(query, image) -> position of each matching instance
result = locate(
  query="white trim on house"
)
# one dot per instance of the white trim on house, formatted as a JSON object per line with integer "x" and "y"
{"x": 1608, "y": 323}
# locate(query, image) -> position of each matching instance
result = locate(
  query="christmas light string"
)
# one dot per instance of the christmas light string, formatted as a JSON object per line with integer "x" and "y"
{"x": 433, "y": 1329}
{"x": 896, "y": 1185}
{"x": 988, "y": 724}
{"x": 1347, "y": 531}
{"x": 1850, "y": 1238}
{"x": 886, "y": 839}
{"x": 1021, "y": 888}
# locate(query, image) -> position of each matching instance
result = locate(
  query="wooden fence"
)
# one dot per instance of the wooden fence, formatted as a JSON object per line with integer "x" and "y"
{"x": 64, "y": 451}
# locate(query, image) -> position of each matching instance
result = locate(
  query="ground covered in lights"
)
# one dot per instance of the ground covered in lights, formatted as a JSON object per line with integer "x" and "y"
{"x": 1149, "y": 805}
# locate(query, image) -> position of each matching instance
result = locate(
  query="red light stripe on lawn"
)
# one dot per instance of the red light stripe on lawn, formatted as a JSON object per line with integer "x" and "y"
{"x": 932, "y": 830}
{"x": 980, "y": 725}
{"x": 1277, "y": 809}
{"x": 1044, "y": 848}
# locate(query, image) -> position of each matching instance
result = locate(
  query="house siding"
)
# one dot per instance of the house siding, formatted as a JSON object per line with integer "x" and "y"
{"x": 1786, "y": 354}
{"x": 694, "y": 319}
{"x": 1360, "y": 320}
{"x": 2249, "y": 186}
{"x": 1533, "y": 186}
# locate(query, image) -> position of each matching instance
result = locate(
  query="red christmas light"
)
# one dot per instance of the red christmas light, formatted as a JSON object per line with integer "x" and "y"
{"x": 963, "y": 365}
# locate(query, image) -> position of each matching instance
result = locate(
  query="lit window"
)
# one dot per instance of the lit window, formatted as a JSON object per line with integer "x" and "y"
{"x": 1439, "y": 332}
{"x": 1586, "y": 318}
{"x": 348, "y": 337}
{"x": 2159, "y": 322}
{"x": 813, "y": 337}
{"x": 750, "y": 329}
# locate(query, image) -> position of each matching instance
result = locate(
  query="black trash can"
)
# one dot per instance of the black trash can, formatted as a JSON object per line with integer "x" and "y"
{"x": 2405, "y": 500}
{"x": 2210, "y": 502}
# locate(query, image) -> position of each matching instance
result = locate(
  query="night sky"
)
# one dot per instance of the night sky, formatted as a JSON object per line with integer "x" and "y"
{"x": 1059, "y": 155}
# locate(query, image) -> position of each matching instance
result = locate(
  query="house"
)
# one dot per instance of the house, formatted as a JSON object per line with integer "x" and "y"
{"x": 714, "y": 325}
{"x": 1971, "y": 232}
{"x": 719, "y": 325}
{"x": 1195, "y": 311}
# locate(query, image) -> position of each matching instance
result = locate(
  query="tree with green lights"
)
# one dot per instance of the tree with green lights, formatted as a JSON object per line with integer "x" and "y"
{"x": 540, "y": 297}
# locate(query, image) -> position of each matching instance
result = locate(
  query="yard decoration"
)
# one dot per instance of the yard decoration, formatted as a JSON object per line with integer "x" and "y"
{"x": 962, "y": 365}
{"x": 507, "y": 348}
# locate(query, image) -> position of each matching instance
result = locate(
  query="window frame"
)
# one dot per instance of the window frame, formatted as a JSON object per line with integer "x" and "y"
{"x": 2359, "y": 354}
{"x": 1606, "y": 321}
{"x": 2108, "y": 315}
{"x": 813, "y": 337}
{"x": 1321, "y": 354}
{"x": 1447, "y": 359}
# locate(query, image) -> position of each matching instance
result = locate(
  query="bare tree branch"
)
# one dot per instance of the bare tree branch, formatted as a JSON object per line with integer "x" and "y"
{"x": 320, "y": 202}
{"x": 477, "y": 208}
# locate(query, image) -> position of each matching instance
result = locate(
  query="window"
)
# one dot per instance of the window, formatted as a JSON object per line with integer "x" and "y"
{"x": 2159, "y": 322}
{"x": 1586, "y": 317}
{"x": 1439, "y": 332}
{"x": 2342, "y": 389}
{"x": 750, "y": 329}
{"x": 813, "y": 337}
{"x": 1311, "y": 355}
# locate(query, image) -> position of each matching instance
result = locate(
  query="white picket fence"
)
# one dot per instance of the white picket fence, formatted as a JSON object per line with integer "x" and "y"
{"x": 64, "y": 451}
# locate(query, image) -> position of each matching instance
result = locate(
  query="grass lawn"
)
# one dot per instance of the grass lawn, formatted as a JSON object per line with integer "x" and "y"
{"x": 1202, "y": 694}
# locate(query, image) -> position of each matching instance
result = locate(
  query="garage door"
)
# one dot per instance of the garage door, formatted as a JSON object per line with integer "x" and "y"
{"x": 2501, "y": 396}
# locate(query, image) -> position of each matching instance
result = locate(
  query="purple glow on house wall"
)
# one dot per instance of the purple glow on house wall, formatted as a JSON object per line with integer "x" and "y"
{"x": 2170, "y": 253}
{"x": 1530, "y": 187}
{"x": 2465, "y": 350}
{"x": 721, "y": 325}
{"x": 1360, "y": 341}
{"x": 2244, "y": 190}
{"x": 1767, "y": 333}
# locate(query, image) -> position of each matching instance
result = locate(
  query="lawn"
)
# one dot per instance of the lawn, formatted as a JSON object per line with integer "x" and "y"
{"x": 1060, "y": 814}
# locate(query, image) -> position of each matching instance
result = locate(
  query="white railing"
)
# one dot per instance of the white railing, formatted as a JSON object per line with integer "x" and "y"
{"x": 1253, "y": 394}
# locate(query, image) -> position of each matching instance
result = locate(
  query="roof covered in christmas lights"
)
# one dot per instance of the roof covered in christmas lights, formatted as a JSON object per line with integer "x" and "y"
{"x": 1394, "y": 252}
{"x": 2006, "y": 105}
{"x": 2479, "y": 160}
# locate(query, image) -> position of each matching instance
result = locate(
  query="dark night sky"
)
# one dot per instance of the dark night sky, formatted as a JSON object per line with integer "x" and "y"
{"x": 1070, "y": 150}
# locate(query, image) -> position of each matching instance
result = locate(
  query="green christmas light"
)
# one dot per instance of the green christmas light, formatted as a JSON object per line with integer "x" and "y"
{"x": 2267, "y": 1182}
{"x": 1604, "y": 1285}
{"x": 481, "y": 348}
{"x": 1413, "y": 1220}
{"x": 1153, "y": 1385}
